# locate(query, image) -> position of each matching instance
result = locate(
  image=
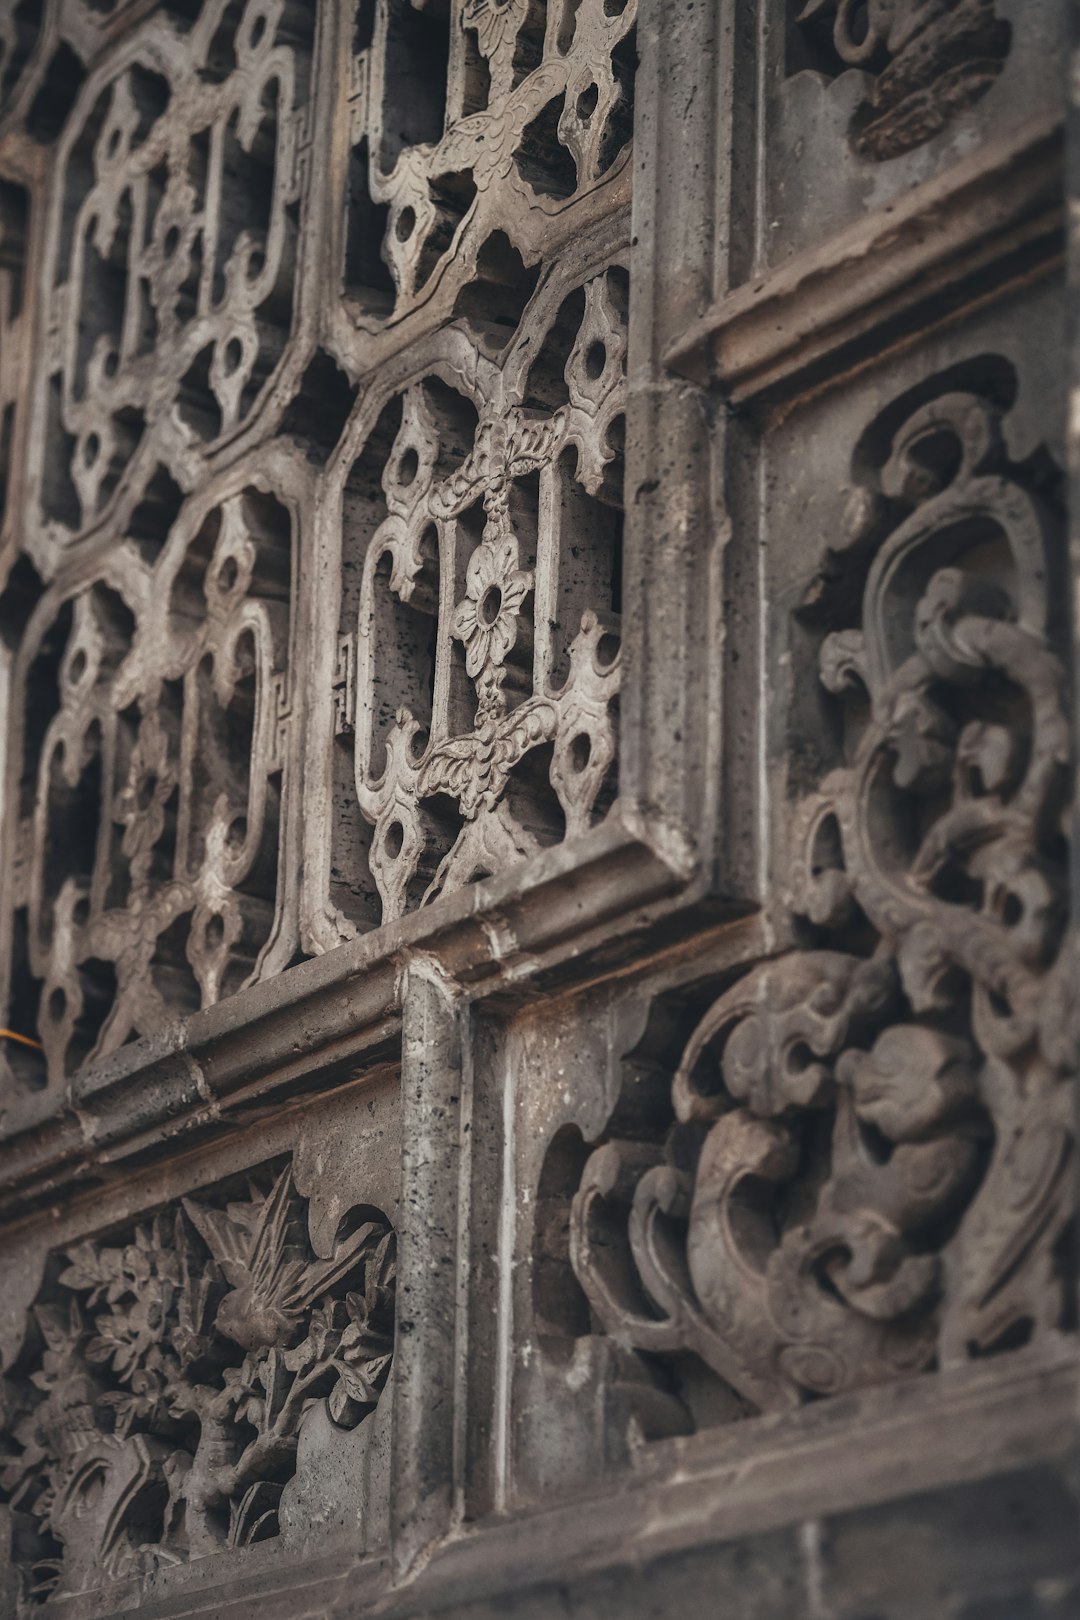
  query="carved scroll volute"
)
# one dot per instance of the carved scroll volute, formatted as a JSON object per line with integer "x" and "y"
{"x": 978, "y": 904}
{"x": 1006, "y": 775}
{"x": 789, "y": 1256}
{"x": 924, "y": 63}
{"x": 871, "y": 1145}
{"x": 945, "y": 465}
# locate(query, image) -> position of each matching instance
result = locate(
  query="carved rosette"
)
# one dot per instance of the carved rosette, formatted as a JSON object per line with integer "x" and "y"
{"x": 486, "y": 627}
{"x": 153, "y": 1414}
{"x": 869, "y": 1170}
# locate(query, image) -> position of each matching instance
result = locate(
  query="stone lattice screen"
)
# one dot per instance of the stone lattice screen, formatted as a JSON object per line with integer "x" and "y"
{"x": 538, "y": 1005}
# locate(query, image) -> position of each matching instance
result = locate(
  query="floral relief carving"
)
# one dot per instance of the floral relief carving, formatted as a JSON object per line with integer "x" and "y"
{"x": 925, "y": 61}
{"x": 500, "y": 540}
{"x": 868, "y": 1173}
{"x": 154, "y": 1412}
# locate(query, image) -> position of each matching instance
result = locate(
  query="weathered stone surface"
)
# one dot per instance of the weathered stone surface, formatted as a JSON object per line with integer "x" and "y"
{"x": 537, "y": 910}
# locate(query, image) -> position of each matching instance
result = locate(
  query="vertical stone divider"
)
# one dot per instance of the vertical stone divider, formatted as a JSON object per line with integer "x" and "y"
{"x": 1072, "y": 436}
{"x": 673, "y": 539}
{"x": 1072, "y": 444}
{"x": 422, "y": 1466}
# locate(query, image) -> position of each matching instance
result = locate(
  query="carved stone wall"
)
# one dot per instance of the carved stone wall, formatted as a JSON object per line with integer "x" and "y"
{"x": 538, "y": 1032}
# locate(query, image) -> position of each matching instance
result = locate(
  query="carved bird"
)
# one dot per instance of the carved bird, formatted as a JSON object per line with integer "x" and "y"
{"x": 263, "y": 1255}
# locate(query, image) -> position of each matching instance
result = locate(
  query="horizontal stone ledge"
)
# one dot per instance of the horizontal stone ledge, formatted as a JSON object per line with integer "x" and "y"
{"x": 323, "y": 1021}
{"x": 930, "y": 1433}
{"x": 990, "y": 221}
{"x": 918, "y": 1462}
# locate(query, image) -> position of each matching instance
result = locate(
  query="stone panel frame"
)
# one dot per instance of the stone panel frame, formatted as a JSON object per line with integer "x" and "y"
{"x": 785, "y": 1515}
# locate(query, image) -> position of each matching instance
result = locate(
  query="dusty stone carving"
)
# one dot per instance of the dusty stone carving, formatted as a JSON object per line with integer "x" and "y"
{"x": 150, "y": 778}
{"x": 170, "y": 249}
{"x": 869, "y": 1166}
{"x": 491, "y": 116}
{"x": 926, "y": 60}
{"x": 485, "y": 636}
{"x": 154, "y": 1414}
{"x": 338, "y": 536}
{"x": 151, "y": 768}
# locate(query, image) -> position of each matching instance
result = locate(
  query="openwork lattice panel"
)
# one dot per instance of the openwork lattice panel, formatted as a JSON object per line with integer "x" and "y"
{"x": 478, "y": 127}
{"x": 147, "y": 779}
{"x": 477, "y": 506}
{"x": 170, "y": 261}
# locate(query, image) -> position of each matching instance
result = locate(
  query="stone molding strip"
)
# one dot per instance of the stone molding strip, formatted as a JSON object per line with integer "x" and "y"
{"x": 990, "y": 221}
{"x": 701, "y": 1492}
{"x": 338, "y": 1012}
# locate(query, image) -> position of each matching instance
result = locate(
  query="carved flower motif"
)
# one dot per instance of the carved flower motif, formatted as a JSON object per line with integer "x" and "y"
{"x": 495, "y": 588}
{"x": 140, "y": 1283}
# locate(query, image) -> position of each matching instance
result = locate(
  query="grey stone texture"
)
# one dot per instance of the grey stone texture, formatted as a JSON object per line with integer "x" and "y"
{"x": 537, "y": 920}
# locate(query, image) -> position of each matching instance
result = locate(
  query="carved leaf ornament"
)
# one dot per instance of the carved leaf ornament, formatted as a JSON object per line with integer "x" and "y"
{"x": 155, "y": 1411}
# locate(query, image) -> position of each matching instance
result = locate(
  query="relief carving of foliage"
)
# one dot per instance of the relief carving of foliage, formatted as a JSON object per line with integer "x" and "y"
{"x": 154, "y": 1414}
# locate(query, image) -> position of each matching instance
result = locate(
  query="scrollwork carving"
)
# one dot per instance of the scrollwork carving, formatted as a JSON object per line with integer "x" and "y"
{"x": 925, "y": 61}
{"x": 154, "y": 1413}
{"x": 868, "y": 1170}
